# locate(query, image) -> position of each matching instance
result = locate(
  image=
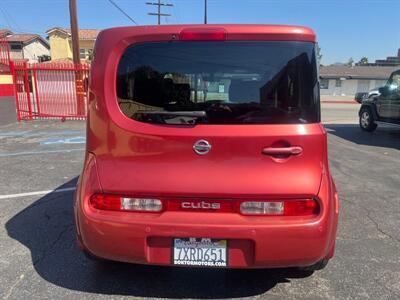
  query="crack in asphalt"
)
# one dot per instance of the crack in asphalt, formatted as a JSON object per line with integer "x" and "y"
{"x": 17, "y": 282}
{"x": 387, "y": 288}
{"x": 378, "y": 228}
{"x": 368, "y": 215}
{"x": 45, "y": 252}
{"x": 339, "y": 168}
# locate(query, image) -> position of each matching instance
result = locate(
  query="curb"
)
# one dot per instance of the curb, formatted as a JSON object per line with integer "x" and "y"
{"x": 340, "y": 101}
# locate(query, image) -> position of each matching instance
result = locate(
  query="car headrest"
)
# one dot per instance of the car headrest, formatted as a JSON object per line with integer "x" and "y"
{"x": 243, "y": 91}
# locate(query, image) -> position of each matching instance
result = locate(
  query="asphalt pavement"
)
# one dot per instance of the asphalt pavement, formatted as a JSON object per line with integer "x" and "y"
{"x": 39, "y": 259}
{"x": 7, "y": 110}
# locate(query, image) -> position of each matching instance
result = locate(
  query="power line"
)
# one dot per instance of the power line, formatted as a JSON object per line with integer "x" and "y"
{"x": 5, "y": 12}
{"x": 158, "y": 13}
{"x": 174, "y": 13}
{"x": 15, "y": 29}
{"x": 5, "y": 17}
{"x": 205, "y": 11}
{"x": 176, "y": 10}
{"x": 122, "y": 11}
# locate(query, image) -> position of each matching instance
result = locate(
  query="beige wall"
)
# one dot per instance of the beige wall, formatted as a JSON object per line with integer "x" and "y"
{"x": 6, "y": 79}
{"x": 59, "y": 46}
{"x": 87, "y": 45}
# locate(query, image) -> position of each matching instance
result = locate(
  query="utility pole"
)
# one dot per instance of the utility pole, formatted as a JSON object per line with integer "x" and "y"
{"x": 205, "y": 11}
{"x": 80, "y": 89}
{"x": 158, "y": 13}
{"x": 74, "y": 31}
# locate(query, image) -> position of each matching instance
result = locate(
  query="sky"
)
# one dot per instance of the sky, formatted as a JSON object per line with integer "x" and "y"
{"x": 345, "y": 28}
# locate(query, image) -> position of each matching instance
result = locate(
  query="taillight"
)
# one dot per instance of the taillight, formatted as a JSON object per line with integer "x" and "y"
{"x": 203, "y": 34}
{"x": 121, "y": 203}
{"x": 306, "y": 207}
{"x": 286, "y": 207}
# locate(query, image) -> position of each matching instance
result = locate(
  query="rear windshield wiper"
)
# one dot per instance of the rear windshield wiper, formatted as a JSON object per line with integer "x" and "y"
{"x": 198, "y": 114}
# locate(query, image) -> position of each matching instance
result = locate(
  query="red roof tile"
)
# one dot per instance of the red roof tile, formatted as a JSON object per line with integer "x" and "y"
{"x": 25, "y": 38}
{"x": 4, "y": 32}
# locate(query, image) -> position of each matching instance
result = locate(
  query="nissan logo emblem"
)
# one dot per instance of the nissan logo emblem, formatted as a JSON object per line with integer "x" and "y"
{"x": 202, "y": 147}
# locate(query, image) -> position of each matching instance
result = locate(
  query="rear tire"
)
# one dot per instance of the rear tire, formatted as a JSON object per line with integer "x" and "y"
{"x": 315, "y": 267}
{"x": 367, "y": 122}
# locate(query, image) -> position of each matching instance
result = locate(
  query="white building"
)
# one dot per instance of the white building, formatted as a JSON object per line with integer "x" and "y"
{"x": 343, "y": 80}
{"x": 26, "y": 46}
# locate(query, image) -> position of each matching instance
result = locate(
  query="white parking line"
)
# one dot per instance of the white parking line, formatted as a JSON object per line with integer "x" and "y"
{"x": 37, "y": 193}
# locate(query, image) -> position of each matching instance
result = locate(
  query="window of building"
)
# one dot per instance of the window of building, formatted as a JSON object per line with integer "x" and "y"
{"x": 16, "y": 46}
{"x": 338, "y": 83}
{"x": 82, "y": 53}
{"x": 324, "y": 84}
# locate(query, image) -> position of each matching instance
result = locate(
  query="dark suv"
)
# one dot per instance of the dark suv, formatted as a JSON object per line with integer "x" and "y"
{"x": 384, "y": 108}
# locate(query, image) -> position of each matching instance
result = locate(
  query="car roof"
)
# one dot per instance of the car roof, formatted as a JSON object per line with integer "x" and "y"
{"x": 233, "y": 31}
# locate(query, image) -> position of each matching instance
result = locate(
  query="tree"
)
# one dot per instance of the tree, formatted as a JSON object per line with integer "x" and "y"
{"x": 318, "y": 53}
{"x": 43, "y": 58}
{"x": 363, "y": 61}
{"x": 350, "y": 62}
{"x": 90, "y": 54}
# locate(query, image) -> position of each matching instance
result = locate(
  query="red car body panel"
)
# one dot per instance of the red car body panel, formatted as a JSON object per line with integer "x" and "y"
{"x": 133, "y": 158}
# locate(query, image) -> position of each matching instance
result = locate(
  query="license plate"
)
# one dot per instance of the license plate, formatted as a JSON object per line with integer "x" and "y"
{"x": 200, "y": 252}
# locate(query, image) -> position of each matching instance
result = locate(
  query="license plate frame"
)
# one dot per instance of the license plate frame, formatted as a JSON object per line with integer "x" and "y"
{"x": 200, "y": 252}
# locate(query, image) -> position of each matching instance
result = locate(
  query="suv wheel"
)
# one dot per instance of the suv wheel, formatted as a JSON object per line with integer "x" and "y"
{"x": 367, "y": 120}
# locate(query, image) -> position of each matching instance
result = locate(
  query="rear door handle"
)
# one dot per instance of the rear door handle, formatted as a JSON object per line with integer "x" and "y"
{"x": 272, "y": 151}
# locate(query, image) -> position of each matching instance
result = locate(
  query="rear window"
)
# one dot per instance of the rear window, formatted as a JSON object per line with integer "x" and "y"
{"x": 227, "y": 82}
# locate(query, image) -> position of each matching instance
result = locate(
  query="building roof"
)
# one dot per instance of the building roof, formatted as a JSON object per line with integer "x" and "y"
{"x": 84, "y": 34}
{"x": 25, "y": 38}
{"x": 357, "y": 72}
{"x": 4, "y": 32}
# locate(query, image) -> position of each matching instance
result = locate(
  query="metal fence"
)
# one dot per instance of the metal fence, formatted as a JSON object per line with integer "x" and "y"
{"x": 4, "y": 52}
{"x": 50, "y": 90}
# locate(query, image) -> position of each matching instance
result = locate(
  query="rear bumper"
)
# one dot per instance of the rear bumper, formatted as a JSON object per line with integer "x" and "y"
{"x": 148, "y": 239}
{"x": 253, "y": 241}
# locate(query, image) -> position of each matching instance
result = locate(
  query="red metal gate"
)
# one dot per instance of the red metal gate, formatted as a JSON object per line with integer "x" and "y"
{"x": 50, "y": 90}
{"x": 6, "y": 86}
{"x": 4, "y": 52}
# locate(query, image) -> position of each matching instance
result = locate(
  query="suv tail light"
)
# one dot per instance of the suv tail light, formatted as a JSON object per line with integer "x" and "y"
{"x": 302, "y": 207}
{"x": 121, "y": 203}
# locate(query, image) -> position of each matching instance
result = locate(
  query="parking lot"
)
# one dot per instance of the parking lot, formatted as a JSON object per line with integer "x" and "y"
{"x": 39, "y": 259}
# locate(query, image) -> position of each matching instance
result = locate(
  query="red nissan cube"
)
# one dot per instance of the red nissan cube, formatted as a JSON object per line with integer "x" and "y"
{"x": 205, "y": 148}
